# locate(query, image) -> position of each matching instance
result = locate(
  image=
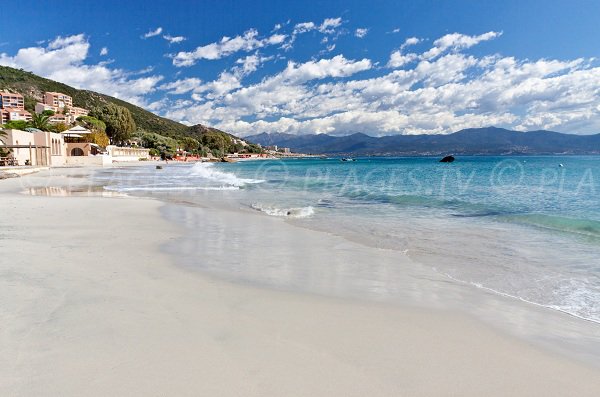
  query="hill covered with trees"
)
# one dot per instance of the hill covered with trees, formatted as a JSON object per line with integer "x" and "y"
{"x": 124, "y": 121}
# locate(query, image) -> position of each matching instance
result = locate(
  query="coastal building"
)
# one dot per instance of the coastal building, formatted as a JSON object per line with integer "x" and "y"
{"x": 13, "y": 114}
{"x": 34, "y": 147}
{"x": 62, "y": 104}
{"x": 42, "y": 107}
{"x": 4, "y": 116}
{"x": 59, "y": 118}
{"x": 11, "y": 100}
{"x": 76, "y": 112}
{"x": 12, "y": 107}
{"x": 58, "y": 99}
{"x": 72, "y": 147}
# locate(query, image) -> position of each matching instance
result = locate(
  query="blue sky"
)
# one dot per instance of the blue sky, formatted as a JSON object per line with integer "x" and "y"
{"x": 379, "y": 67}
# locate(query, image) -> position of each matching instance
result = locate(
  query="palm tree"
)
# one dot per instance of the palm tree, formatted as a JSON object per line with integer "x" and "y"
{"x": 40, "y": 121}
{"x": 3, "y": 153}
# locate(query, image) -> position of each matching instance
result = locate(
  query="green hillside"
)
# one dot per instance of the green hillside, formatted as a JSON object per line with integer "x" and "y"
{"x": 154, "y": 131}
{"x": 32, "y": 88}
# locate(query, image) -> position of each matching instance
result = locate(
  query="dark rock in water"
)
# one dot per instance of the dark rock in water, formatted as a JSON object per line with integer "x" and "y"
{"x": 159, "y": 167}
{"x": 447, "y": 159}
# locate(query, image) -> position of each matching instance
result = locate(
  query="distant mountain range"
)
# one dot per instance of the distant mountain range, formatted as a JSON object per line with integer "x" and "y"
{"x": 472, "y": 141}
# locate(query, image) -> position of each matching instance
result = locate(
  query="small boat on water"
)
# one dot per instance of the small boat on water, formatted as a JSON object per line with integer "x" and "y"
{"x": 348, "y": 159}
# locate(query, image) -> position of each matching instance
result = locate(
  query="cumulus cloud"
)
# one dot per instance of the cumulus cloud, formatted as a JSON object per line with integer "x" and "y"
{"x": 104, "y": 51}
{"x": 304, "y": 27}
{"x": 457, "y": 41}
{"x": 63, "y": 60}
{"x": 152, "y": 33}
{"x": 181, "y": 86}
{"x": 361, "y": 32}
{"x": 173, "y": 39}
{"x": 247, "y": 42}
{"x": 329, "y": 25}
{"x": 442, "y": 91}
{"x": 437, "y": 89}
{"x": 227, "y": 81}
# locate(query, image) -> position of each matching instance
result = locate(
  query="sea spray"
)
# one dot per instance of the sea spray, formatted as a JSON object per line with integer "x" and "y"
{"x": 300, "y": 212}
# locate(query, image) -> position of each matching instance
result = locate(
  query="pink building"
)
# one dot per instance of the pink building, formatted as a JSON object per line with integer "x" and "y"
{"x": 58, "y": 99}
{"x": 12, "y": 107}
{"x": 11, "y": 100}
{"x": 12, "y": 114}
{"x": 62, "y": 106}
{"x": 75, "y": 112}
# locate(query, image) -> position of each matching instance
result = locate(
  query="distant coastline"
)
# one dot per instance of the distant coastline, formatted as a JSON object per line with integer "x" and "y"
{"x": 490, "y": 141}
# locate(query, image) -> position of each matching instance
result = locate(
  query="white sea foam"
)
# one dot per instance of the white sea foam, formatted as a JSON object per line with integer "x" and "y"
{"x": 164, "y": 188}
{"x": 575, "y": 307}
{"x": 299, "y": 212}
{"x": 207, "y": 171}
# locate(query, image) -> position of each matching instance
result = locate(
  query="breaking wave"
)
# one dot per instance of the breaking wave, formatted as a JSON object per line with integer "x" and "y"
{"x": 208, "y": 171}
{"x": 299, "y": 212}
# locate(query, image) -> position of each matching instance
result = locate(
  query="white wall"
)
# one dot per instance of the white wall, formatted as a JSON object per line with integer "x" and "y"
{"x": 89, "y": 160}
{"x": 18, "y": 137}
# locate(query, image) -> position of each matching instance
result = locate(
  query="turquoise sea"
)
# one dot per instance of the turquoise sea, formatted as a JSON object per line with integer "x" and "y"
{"x": 522, "y": 227}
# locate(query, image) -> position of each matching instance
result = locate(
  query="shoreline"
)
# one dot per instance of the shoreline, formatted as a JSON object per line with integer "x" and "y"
{"x": 91, "y": 315}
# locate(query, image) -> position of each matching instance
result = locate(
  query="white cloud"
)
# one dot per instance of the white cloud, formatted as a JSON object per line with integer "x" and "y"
{"x": 249, "y": 64}
{"x": 153, "y": 33}
{"x": 457, "y": 41}
{"x": 304, "y": 27}
{"x": 63, "y": 60}
{"x": 361, "y": 32}
{"x": 410, "y": 41}
{"x": 337, "y": 66}
{"x": 181, "y": 86}
{"x": 329, "y": 25}
{"x": 397, "y": 59}
{"x": 173, "y": 39}
{"x": 226, "y": 46}
{"x": 438, "y": 93}
{"x": 227, "y": 81}
{"x": 104, "y": 51}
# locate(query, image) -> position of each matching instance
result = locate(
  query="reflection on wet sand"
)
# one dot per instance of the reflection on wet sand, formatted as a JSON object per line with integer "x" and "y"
{"x": 87, "y": 191}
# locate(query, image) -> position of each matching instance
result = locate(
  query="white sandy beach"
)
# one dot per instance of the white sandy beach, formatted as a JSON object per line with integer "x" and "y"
{"x": 91, "y": 306}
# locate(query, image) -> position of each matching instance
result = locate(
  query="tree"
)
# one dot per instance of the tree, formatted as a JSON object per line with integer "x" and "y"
{"x": 119, "y": 122}
{"x": 217, "y": 141}
{"x": 98, "y": 128}
{"x": 189, "y": 144}
{"x": 92, "y": 123}
{"x": 16, "y": 125}
{"x": 3, "y": 152}
{"x": 99, "y": 138}
{"x": 40, "y": 121}
{"x": 48, "y": 112}
{"x": 165, "y": 145}
{"x": 58, "y": 127}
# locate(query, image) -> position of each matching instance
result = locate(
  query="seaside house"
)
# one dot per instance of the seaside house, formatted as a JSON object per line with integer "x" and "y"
{"x": 72, "y": 147}
{"x": 12, "y": 107}
{"x": 34, "y": 147}
{"x": 58, "y": 99}
{"x": 78, "y": 143}
{"x": 62, "y": 106}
